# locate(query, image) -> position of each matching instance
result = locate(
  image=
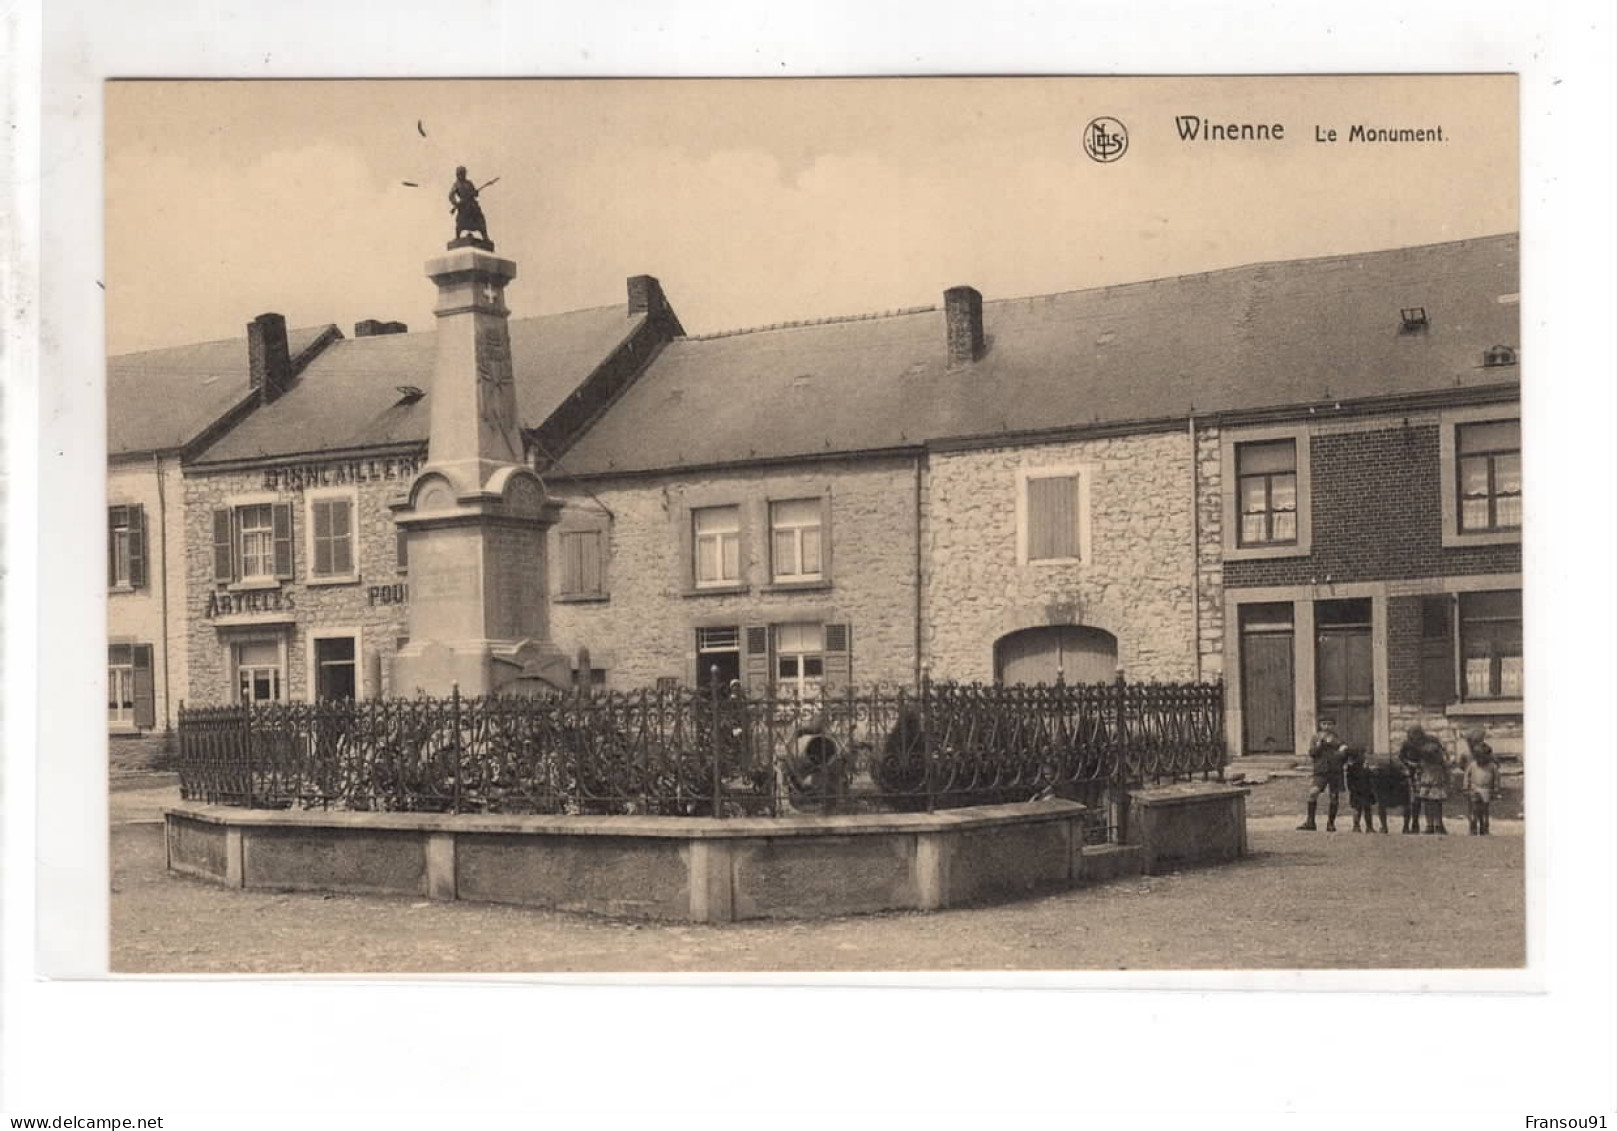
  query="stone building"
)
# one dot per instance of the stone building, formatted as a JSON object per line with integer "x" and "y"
{"x": 1181, "y": 478}
{"x": 1300, "y": 477}
{"x": 163, "y": 406}
{"x": 296, "y": 578}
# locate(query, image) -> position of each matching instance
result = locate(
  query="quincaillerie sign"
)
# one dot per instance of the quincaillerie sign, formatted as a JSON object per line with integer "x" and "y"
{"x": 340, "y": 472}
{"x": 252, "y": 601}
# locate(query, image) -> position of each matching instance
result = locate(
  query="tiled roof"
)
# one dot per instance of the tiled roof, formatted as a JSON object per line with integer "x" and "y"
{"x": 163, "y": 399}
{"x": 349, "y": 397}
{"x": 1272, "y": 334}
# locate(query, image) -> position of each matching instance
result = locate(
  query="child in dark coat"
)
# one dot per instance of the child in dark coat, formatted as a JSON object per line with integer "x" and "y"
{"x": 1361, "y": 790}
{"x": 1328, "y": 756}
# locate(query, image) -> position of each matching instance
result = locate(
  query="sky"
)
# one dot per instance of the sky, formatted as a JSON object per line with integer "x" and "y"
{"x": 758, "y": 201}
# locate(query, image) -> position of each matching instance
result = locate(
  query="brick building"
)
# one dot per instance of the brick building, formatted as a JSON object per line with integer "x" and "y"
{"x": 297, "y": 582}
{"x": 1372, "y": 539}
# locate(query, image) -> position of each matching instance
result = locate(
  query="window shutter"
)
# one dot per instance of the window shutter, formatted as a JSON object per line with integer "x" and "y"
{"x": 757, "y": 660}
{"x": 145, "y": 694}
{"x": 838, "y": 655}
{"x": 1052, "y": 513}
{"x": 137, "y": 546}
{"x": 401, "y": 548}
{"x": 1436, "y": 653}
{"x": 115, "y": 519}
{"x": 224, "y": 548}
{"x": 590, "y": 562}
{"x": 282, "y": 518}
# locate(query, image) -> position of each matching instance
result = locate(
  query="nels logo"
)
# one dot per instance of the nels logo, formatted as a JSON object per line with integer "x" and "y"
{"x": 1106, "y": 139}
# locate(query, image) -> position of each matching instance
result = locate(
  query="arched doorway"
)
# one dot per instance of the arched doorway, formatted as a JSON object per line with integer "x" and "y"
{"x": 1035, "y": 655}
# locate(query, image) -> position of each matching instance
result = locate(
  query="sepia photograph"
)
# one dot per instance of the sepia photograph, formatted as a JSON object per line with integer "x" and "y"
{"x": 815, "y": 525}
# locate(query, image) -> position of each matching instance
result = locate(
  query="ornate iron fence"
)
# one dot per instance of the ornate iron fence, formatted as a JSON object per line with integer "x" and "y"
{"x": 682, "y": 752}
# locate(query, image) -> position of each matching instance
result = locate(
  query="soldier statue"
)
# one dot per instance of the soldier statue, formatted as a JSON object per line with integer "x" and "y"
{"x": 468, "y": 213}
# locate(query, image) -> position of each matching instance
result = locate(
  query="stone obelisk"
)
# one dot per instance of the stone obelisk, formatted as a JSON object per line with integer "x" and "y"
{"x": 476, "y": 515}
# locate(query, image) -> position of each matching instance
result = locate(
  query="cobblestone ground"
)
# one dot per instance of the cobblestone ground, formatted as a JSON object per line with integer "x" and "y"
{"x": 1301, "y": 900}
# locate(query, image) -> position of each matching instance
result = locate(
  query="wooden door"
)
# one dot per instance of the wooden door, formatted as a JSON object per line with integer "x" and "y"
{"x": 1268, "y": 680}
{"x": 1079, "y": 654}
{"x": 1345, "y": 678}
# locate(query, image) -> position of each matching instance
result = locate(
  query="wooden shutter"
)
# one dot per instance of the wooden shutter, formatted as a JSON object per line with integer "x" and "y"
{"x": 282, "y": 517}
{"x": 594, "y": 552}
{"x": 145, "y": 693}
{"x": 401, "y": 547}
{"x": 116, "y": 517}
{"x": 756, "y": 663}
{"x": 1436, "y": 652}
{"x": 137, "y": 546}
{"x": 1052, "y": 518}
{"x": 838, "y": 655}
{"x": 224, "y": 544}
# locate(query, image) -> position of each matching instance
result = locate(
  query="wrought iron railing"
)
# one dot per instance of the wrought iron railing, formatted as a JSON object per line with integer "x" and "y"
{"x": 683, "y": 752}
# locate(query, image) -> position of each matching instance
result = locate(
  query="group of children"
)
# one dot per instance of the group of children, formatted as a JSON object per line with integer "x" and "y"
{"x": 1418, "y": 779}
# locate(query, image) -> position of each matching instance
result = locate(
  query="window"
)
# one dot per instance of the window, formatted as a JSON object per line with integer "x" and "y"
{"x": 1490, "y": 475}
{"x": 401, "y": 549}
{"x": 718, "y": 657}
{"x": 257, "y": 542}
{"x": 253, "y": 543}
{"x": 580, "y": 572}
{"x": 1265, "y": 480}
{"x": 258, "y": 671}
{"x": 1267, "y": 486}
{"x": 126, "y": 547}
{"x": 1491, "y": 644}
{"x": 799, "y": 659}
{"x": 131, "y": 700}
{"x": 717, "y": 537}
{"x": 794, "y": 535}
{"x": 331, "y": 528}
{"x": 335, "y": 667}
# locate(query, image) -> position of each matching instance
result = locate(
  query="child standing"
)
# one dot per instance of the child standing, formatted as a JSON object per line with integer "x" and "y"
{"x": 1481, "y": 780}
{"x": 1328, "y": 755}
{"x": 1432, "y": 785}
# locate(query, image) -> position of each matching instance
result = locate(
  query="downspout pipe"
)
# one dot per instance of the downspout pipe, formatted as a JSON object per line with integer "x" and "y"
{"x": 162, "y": 565}
{"x": 919, "y": 602}
{"x": 1195, "y": 550}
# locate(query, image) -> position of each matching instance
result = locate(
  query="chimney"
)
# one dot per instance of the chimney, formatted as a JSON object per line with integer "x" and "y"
{"x": 371, "y": 328}
{"x": 269, "y": 364}
{"x": 963, "y": 320}
{"x": 646, "y": 295}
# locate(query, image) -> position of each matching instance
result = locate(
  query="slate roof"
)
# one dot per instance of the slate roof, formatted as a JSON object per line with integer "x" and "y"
{"x": 349, "y": 398}
{"x": 1271, "y": 334}
{"x": 160, "y": 400}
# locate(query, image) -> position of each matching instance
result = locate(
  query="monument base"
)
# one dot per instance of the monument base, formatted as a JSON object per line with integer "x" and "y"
{"x": 481, "y": 667}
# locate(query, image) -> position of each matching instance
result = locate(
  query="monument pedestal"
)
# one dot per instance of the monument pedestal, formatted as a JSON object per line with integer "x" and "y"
{"x": 476, "y": 516}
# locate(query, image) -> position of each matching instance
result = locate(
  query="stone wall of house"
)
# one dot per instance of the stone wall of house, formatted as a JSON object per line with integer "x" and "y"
{"x": 644, "y": 629}
{"x": 1136, "y": 584}
{"x": 375, "y": 601}
{"x": 135, "y": 615}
